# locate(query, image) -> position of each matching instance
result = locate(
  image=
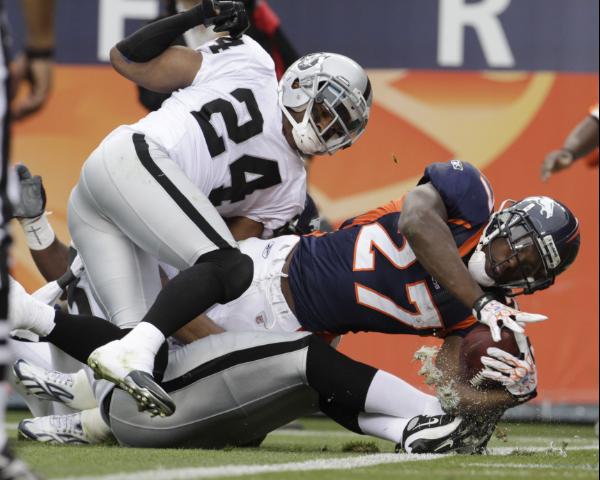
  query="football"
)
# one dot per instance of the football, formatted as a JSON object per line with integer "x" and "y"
{"x": 474, "y": 346}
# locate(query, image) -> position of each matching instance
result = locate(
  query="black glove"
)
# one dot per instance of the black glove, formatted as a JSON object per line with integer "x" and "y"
{"x": 232, "y": 17}
{"x": 33, "y": 196}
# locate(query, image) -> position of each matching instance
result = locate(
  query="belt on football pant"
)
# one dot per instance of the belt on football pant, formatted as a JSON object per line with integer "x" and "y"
{"x": 285, "y": 283}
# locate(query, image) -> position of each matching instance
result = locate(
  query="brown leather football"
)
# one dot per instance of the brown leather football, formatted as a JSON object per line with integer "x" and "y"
{"x": 475, "y": 345}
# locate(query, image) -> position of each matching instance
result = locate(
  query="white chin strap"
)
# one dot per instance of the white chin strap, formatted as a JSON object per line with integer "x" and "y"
{"x": 306, "y": 139}
{"x": 477, "y": 269}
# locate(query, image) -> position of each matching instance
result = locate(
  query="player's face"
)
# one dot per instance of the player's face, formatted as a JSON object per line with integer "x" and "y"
{"x": 508, "y": 264}
{"x": 323, "y": 118}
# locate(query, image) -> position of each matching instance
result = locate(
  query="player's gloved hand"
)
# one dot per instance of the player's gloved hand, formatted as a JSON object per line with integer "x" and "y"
{"x": 226, "y": 16}
{"x": 556, "y": 161}
{"x": 33, "y": 196}
{"x": 491, "y": 312}
{"x": 517, "y": 374}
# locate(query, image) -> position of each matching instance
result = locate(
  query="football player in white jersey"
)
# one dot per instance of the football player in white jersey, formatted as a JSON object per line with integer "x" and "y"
{"x": 232, "y": 389}
{"x": 228, "y": 143}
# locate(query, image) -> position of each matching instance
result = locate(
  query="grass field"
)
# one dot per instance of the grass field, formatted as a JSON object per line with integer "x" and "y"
{"x": 323, "y": 450}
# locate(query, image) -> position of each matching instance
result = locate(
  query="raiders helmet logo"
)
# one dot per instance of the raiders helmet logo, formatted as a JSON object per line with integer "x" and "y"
{"x": 309, "y": 61}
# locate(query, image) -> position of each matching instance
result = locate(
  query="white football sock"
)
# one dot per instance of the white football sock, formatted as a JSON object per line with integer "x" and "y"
{"x": 41, "y": 319}
{"x": 433, "y": 407}
{"x": 382, "y": 426}
{"x": 95, "y": 429}
{"x": 390, "y": 395}
{"x": 83, "y": 395}
{"x": 27, "y": 313}
{"x": 146, "y": 336}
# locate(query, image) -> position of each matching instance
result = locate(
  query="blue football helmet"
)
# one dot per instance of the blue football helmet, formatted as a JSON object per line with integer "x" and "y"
{"x": 546, "y": 224}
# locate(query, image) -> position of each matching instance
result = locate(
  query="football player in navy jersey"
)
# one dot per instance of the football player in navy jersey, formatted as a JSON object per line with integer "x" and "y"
{"x": 370, "y": 276}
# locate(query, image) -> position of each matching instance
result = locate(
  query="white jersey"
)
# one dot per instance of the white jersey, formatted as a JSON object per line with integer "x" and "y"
{"x": 225, "y": 132}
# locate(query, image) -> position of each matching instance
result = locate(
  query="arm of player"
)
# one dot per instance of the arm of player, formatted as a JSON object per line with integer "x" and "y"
{"x": 581, "y": 141}
{"x": 423, "y": 224}
{"x": 471, "y": 401}
{"x": 175, "y": 68}
{"x": 36, "y": 64}
{"x": 50, "y": 255}
{"x": 147, "y": 58}
{"x": 242, "y": 228}
{"x": 199, "y": 327}
{"x": 53, "y": 261}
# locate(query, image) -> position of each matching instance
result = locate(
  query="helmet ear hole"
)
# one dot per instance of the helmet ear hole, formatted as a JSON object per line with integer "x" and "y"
{"x": 296, "y": 83}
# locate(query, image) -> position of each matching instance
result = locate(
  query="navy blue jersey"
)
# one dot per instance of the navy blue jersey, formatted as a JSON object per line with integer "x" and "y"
{"x": 365, "y": 276}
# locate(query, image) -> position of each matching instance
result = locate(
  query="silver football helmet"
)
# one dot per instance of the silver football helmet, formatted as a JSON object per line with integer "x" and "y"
{"x": 325, "y": 86}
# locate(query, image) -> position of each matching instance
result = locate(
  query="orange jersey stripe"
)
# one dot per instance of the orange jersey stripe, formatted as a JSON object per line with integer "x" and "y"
{"x": 461, "y": 222}
{"x": 471, "y": 243}
{"x": 391, "y": 207}
{"x": 316, "y": 233}
{"x": 466, "y": 323}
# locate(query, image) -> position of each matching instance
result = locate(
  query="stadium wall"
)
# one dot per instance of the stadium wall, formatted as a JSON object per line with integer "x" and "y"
{"x": 498, "y": 83}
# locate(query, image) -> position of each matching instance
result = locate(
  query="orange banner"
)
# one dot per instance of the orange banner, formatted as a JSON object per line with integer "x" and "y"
{"x": 502, "y": 122}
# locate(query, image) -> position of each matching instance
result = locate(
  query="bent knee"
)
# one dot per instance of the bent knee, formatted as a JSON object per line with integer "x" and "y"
{"x": 234, "y": 270}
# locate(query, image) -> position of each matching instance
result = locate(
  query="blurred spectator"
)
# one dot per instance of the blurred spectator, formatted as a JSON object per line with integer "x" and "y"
{"x": 34, "y": 66}
{"x": 265, "y": 28}
{"x": 582, "y": 140}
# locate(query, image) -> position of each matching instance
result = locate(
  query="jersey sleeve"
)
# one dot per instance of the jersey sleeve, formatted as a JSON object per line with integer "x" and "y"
{"x": 276, "y": 217}
{"x": 466, "y": 193}
{"x": 373, "y": 215}
{"x": 225, "y": 57}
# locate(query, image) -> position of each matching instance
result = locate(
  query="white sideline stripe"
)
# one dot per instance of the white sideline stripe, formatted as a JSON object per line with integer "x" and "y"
{"x": 517, "y": 448}
{"x": 342, "y": 463}
{"x": 548, "y": 466}
{"x": 312, "y": 433}
{"x": 11, "y": 426}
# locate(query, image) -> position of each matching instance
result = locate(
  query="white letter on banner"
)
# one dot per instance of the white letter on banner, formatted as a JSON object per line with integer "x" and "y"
{"x": 455, "y": 15}
{"x": 112, "y": 16}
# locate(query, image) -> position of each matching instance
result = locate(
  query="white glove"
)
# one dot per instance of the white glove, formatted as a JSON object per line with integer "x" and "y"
{"x": 517, "y": 374}
{"x": 490, "y": 312}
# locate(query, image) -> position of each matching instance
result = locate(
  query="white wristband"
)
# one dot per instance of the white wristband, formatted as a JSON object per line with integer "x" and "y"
{"x": 38, "y": 232}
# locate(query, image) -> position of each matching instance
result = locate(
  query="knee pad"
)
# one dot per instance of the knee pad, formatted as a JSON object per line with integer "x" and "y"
{"x": 233, "y": 269}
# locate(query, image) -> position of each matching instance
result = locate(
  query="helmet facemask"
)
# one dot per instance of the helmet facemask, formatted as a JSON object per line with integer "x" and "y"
{"x": 334, "y": 114}
{"x": 513, "y": 225}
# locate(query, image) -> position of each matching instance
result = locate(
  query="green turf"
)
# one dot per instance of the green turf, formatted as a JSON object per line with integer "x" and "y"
{"x": 322, "y": 439}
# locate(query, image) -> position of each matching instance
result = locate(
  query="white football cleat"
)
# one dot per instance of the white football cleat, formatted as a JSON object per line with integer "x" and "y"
{"x": 56, "y": 429}
{"x": 128, "y": 368}
{"x": 45, "y": 384}
{"x": 71, "y": 389}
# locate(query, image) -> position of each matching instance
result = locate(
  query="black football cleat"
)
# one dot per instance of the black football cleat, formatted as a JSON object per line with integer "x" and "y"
{"x": 433, "y": 434}
{"x": 149, "y": 395}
